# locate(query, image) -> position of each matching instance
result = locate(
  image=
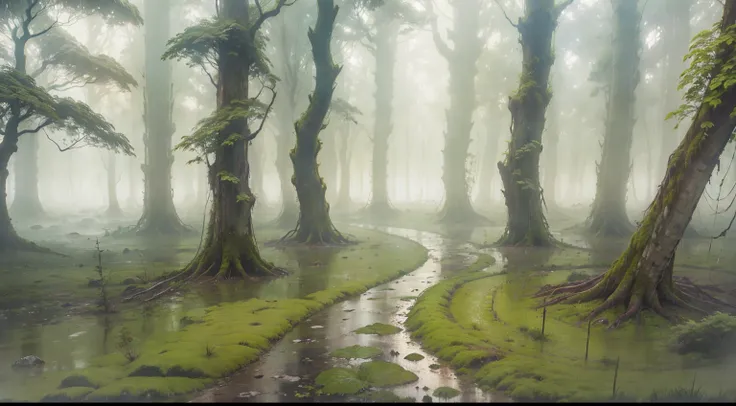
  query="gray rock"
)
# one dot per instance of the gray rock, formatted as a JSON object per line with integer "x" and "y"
{"x": 130, "y": 281}
{"x": 29, "y": 361}
{"x": 94, "y": 283}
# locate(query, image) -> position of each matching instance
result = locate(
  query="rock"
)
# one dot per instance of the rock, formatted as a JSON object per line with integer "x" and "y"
{"x": 94, "y": 283}
{"x": 248, "y": 394}
{"x": 602, "y": 321}
{"x": 259, "y": 376}
{"x": 36, "y": 227}
{"x": 427, "y": 399}
{"x": 287, "y": 378}
{"x": 67, "y": 304}
{"x": 130, "y": 290}
{"x": 126, "y": 250}
{"x": 130, "y": 281}
{"x": 317, "y": 326}
{"x": 29, "y": 361}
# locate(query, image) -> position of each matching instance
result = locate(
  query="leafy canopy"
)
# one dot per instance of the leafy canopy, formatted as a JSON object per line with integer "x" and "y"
{"x": 706, "y": 85}
{"x": 37, "y": 106}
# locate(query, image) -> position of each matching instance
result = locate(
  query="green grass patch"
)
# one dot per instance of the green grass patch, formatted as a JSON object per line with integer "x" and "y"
{"x": 357, "y": 351}
{"x": 489, "y": 327}
{"x": 445, "y": 392}
{"x": 225, "y": 337}
{"x": 414, "y": 357}
{"x": 373, "y": 374}
{"x": 380, "y": 329}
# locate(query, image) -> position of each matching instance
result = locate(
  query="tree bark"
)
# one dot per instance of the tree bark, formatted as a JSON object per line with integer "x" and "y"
{"x": 385, "y": 58}
{"x": 551, "y": 142}
{"x": 343, "y": 198}
{"x": 608, "y": 216}
{"x": 159, "y": 213}
{"x": 461, "y": 60}
{"x": 642, "y": 275}
{"x": 26, "y": 202}
{"x": 487, "y": 170}
{"x": 314, "y": 225}
{"x": 526, "y": 224}
{"x": 113, "y": 205}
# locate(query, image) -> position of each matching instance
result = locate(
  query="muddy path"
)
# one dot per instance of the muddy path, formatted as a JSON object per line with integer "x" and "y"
{"x": 287, "y": 372}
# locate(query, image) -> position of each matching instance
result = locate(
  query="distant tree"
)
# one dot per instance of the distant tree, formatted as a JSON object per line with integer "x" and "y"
{"x": 526, "y": 224}
{"x": 26, "y": 108}
{"x": 642, "y": 277}
{"x": 314, "y": 225}
{"x": 230, "y": 50}
{"x": 608, "y": 216}
{"x": 346, "y": 114}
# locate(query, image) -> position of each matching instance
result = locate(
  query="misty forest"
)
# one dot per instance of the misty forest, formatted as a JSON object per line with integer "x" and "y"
{"x": 367, "y": 200}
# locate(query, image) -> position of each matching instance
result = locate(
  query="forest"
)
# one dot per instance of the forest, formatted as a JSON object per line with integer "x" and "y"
{"x": 367, "y": 200}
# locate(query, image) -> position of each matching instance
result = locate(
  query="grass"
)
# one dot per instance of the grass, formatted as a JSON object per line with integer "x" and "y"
{"x": 223, "y": 338}
{"x": 503, "y": 349}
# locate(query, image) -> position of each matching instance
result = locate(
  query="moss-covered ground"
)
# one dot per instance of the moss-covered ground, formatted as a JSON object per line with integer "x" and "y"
{"x": 215, "y": 341}
{"x": 489, "y": 327}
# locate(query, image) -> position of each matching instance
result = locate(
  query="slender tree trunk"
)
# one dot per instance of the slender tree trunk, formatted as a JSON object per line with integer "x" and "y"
{"x": 132, "y": 190}
{"x": 8, "y": 237}
{"x": 549, "y": 154}
{"x": 159, "y": 213}
{"x": 487, "y": 169}
{"x": 608, "y": 216}
{"x": 113, "y": 206}
{"x": 343, "y": 199}
{"x": 526, "y": 223}
{"x": 256, "y": 164}
{"x": 385, "y": 57}
{"x": 642, "y": 275}
{"x": 314, "y": 225}
{"x": 26, "y": 203}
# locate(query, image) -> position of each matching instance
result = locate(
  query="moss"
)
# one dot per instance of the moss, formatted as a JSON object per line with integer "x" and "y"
{"x": 713, "y": 336}
{"x": 454, "y": 320}
{"x": 380, "y": 329}
{"x": 414, "y": 357}
{"x": 177, "y": 362}
{"x": 383, "y": 374}
{"x": 357, "y": 351}
{"x": 340, "y": 381}
{"x": 68, "y": 394}
{"x": 445, "y": 392}
{"x": 385, "y": 396}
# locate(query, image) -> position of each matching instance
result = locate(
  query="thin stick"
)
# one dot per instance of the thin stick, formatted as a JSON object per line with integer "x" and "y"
{"x": 587, "y": 341}
{"x": 544, "y": 318}
{"x": 692, "y": 388}
{"x": 615, "y": 377}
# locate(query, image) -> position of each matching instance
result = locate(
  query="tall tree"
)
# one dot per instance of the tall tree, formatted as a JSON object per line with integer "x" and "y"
{"x": 159, "y": 214}
{"x": 642, "y": 277}
{"x": 608, "y": 216}
{"x": 526, "y": 224}
{"x": 461, "y": 58}
{"x": 231, "y": 45}
{"x": 314, "y": 225}
{"x": 27, "y": 108}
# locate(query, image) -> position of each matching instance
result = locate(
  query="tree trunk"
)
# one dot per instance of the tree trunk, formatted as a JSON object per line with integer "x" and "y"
{"x": 642, "y": 275}
{"x": 8, "y": 237}
{"x": 159, "y": 214}
{"x": 608, "y": 216}
{"x": 487, "y": 169}
{"x": 230, "y": 249}
{"x": 113, "y": 206}
{"x": 461, "y": 60}
{"x": 385, "y": 58}
{"x": 256, "y": 163}
{"x": 343, "y": 199}
{"x": 526, "y": 224}
{"x": 26, "y": 203}
{"x": 314, "y": 225}
{"x": 549, "y": 154}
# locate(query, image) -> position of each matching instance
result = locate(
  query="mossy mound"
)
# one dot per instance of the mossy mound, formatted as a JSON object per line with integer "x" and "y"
{"x": 445, "y": 392}
{"x": 712, "y": 337}
{"x": 357, "y": 351}
{"x": 414, "y": 357}
{"x": 222, "y": 338}
{"x": 372, "y": 374}
{"x": 380, "y": 329}
{"x": 489, "y": 329}
{"x": 384, "y": 396}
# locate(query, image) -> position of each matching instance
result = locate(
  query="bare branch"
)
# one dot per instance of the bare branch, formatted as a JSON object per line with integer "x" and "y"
{"x": 59, "y": 146}
{"x": 562, "y": 6}
{"x": 265, "y": 115}
{"x": 45, "y": 123}
{"x": 441, "y": 45}
{"x": 506, "y": 15}
{"x": 265, "y": 16}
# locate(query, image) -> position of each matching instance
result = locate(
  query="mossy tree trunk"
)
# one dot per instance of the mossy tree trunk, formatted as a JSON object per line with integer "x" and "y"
{"x": 549, "y": 156}
{"x": 159, "y": 213}
{"x": 642, "y": 276}
{"x": 230, "y": 249}
{"x": 113, "y": 205}
{"x": 385, "y": 58}
{"x": 608, "y": 216}
{"x": 8, "y": 238}
{"x": 526, "y": 223}
{"x": 461, "y": 60}
{"x": 314, "y": 225}
{"x": 26, "y": 202}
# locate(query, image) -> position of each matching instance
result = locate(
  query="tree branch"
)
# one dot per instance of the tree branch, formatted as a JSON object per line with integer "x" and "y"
{"x": 59, "y": 146}
{"x": 441, "y": 45}
{"x": 262, "y": 17}
{"x": 506, "y": 15}
{"x": 562, "y": 6}
{"x": 45, "y": 123}
{"x": 265, "y": 115}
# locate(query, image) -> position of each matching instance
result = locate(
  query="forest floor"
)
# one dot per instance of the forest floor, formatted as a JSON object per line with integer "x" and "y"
{"x": 48, "y": 309}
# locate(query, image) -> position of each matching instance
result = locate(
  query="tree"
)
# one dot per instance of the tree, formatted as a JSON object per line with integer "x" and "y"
{"x": 27, "y": 108}
{"x": 232, "y": 45}
{"x": 314, "y": 225}
{"x": 608, "y": 215}
{"x": 347, "y": 114}
{"x": 159, "y": 214}
{"x": 526, "y": 224}
{"x": 642, "y": 277}
{"x": 468, "y": 40}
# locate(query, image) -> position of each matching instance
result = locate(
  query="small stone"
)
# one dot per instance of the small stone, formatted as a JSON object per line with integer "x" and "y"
{"x": 316, "y": 327}
{"x": 426, "y": 388}
{"x": 29, "y": 361}
{"x": 427, "y": 399}
{"x": 259, "y": 376}
{"x": 602, "y": 321}
{"x": 249, "y": 394}
{"x": 94, "y": 283}
{"x": 130, "y": 281}
{"x": 126, "y": 250}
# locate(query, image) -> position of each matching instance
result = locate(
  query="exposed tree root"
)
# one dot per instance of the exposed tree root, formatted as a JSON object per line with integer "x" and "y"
{"x": 327, "y": 235}
{"x": 382, "y": 210}
{"x": 609, "y": 227}
{"x": 449, "y": 215}
{"x": 288, "y": 216}
{"x": 13, "y": 243}
{"x": 170, "y": 224}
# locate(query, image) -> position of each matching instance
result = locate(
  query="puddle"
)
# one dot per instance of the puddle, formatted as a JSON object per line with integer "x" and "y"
{"x": 304, "y": 352}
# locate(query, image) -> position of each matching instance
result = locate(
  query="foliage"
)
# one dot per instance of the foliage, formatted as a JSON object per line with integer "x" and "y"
{"x": 704, "y": 83}
{"x": 345, "y": 110}
{"x": 116, "y": 12}
{"x": 712, "y": 336}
